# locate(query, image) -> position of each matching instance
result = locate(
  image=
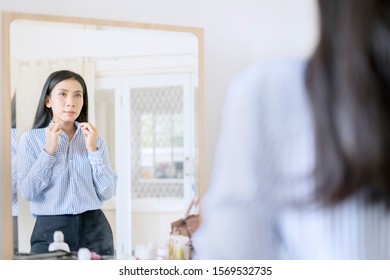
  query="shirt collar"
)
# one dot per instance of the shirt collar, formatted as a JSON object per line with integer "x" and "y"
{"x": 76, "y": 123}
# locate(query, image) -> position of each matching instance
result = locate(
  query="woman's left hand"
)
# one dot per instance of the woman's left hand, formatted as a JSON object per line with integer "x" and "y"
{"x": 90, "y": 136}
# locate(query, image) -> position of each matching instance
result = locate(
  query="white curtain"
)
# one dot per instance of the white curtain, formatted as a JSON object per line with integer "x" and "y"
{"x": 28, "y": 78}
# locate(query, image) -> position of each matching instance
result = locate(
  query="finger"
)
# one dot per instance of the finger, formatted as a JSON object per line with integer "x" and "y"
{"x": 88, "y": 126}
{"x": 54, "y": 127}
{"x": 85, "y": 130}
{"x": 86, "y": 134}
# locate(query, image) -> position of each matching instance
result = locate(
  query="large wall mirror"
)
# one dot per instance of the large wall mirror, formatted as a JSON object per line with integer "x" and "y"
{"x": 145, "y": 84}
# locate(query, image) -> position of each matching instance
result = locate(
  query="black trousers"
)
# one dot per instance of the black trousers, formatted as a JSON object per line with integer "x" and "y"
{"x": 16, "y": 233}
{"x": 86, "y": 230}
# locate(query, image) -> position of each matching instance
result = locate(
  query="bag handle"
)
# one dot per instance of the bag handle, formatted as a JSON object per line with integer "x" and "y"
{"x": 194, "y": 203}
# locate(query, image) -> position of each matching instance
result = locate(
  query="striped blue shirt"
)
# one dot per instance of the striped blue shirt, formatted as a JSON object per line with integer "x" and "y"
{"x": 71, "y": 181}
{"x": 259, "y": 203}
{"x": 14, "y": 147}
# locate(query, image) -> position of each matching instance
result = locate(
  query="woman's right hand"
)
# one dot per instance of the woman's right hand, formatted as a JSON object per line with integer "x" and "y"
{"x": 52, "y": 133}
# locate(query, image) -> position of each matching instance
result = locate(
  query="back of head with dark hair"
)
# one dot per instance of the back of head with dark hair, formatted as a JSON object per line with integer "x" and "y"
{"x": 348, "y": 80}
{"x": 44, "y": 115}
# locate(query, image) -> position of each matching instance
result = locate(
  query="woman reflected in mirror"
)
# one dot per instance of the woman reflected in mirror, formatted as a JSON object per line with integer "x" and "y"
{"x": 64, "y": 169}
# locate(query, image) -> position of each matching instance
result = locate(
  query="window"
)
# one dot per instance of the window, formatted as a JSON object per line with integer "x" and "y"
{"x": 157, "y": 141}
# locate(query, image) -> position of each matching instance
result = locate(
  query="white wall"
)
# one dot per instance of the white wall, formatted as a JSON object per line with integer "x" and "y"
{"x": 236, "y": 33}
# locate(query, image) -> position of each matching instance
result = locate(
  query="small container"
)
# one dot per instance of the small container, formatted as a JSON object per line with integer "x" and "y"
{"x": 58, "y": 243}
{"x": 162, "y": 254}
{"x": 180, "y": 247}
{"x": 83, "y": 254}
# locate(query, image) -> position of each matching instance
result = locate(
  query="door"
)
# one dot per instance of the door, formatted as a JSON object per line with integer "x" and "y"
{"x": 149, "y": 123}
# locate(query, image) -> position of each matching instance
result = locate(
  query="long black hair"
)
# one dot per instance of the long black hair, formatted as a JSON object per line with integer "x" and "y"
{"x": 43, "y": 114}
{"x": 348, "y": 80}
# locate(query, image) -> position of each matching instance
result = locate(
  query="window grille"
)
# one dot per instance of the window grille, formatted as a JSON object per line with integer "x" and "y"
{"x": 157, "y": 141}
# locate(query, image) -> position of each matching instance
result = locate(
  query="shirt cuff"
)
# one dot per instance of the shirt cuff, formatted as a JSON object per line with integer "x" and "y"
{"x": 47, "y": 160}
{"x": 95, "y": 157}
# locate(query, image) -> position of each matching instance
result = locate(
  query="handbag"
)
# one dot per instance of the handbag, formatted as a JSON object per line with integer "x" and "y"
{"x": 184, "y": 228}
{"x": 189, "y": 223}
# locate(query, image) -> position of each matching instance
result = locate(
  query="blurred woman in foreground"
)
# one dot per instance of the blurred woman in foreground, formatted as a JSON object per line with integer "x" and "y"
{"x": 302, "y": 168}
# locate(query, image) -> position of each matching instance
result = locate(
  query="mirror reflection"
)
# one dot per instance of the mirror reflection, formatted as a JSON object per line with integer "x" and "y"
{"x": 143, "y": 90}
